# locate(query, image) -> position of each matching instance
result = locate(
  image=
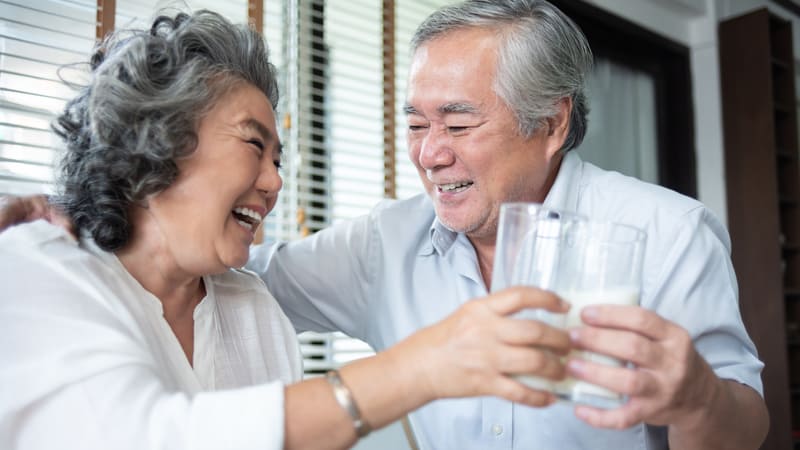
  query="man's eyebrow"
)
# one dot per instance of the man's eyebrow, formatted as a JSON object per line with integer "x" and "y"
{"x": 458, "y": 108}
{"x": 408, "y": 109}
{"x": 447, "y": 108}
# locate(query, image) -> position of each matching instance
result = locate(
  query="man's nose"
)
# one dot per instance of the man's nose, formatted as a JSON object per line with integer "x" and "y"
{"x": 435, "y": 149}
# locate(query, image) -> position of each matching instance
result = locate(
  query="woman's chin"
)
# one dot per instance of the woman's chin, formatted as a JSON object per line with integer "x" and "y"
{"x": 237, "y": 261}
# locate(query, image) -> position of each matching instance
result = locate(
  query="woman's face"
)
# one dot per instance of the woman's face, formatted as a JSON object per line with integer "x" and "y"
{"x": 225, "y": 188}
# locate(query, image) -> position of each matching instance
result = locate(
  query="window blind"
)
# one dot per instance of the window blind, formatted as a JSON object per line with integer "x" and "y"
{"x": 409, "y": 14}
{"x": 35, "y": 40}
{"x": 140, "y": 13}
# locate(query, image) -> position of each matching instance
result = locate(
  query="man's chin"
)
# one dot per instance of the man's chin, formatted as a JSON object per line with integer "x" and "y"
{"x": 456, "y": 225}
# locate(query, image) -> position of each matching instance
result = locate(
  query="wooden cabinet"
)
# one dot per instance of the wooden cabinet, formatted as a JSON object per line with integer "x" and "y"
{"x": 763, "y": 190}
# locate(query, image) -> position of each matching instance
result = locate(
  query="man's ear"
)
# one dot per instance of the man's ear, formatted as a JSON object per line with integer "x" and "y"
{"x": 558, "y": 126}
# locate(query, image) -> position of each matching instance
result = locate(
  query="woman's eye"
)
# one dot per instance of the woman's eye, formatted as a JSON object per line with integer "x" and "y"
{"x": 257, "y": 144}
{"x": 278, "y": 164}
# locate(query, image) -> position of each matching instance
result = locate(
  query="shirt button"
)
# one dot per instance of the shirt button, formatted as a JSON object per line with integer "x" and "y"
{"x": 497, "y": 430}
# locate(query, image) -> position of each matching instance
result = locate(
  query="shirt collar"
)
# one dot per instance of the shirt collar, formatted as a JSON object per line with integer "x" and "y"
{"x": 441, "y": 239}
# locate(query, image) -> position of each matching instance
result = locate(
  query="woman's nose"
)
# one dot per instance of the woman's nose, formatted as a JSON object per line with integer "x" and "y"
{"x": 269, "y": 180}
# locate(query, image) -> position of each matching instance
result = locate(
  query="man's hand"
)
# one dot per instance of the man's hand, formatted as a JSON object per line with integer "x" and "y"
{"x": 16, "y": 210}
{"x": 671, "y": 384}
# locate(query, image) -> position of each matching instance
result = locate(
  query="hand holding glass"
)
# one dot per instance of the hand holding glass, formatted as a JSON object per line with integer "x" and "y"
{"x": 584, "y": 262}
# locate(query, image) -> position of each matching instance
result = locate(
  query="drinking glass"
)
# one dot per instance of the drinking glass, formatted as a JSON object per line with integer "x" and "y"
{"x": 584, "y": 262}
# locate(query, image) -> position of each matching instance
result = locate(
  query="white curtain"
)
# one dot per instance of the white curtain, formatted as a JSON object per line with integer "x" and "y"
{"x": 622, "y": 122}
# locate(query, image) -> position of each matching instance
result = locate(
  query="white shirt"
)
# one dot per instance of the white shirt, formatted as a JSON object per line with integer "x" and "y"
{"x": 89, "y": 362}
{"x": 383, "y": 276}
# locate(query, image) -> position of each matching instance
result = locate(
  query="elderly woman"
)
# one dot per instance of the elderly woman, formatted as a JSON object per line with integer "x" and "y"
{"x": 142, "y": 334}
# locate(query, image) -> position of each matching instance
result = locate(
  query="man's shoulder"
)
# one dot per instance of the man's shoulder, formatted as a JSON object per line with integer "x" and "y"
{"x": 662, "y": 212}
{"x": 613, "y": 194}
{"x": 412, "y": 214}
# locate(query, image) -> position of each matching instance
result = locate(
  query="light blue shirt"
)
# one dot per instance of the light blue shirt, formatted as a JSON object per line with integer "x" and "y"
{"x": 383, "y": 276}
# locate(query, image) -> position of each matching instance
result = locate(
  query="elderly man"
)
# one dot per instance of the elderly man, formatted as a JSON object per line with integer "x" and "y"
{"x": 495, "y": 103}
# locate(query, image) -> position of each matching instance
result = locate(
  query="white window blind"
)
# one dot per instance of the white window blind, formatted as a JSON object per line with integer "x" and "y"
{"x": 340, "y": 111}
{"x": 339, "y": 129}
{"x": 36, "y": 38}
{"x": 140, "y": 13}
{"x": 408, "y": 15}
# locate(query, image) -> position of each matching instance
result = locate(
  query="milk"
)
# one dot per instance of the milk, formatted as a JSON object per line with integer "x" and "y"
{"x": 571, "y": 389}
{"x": 581, "y": 391}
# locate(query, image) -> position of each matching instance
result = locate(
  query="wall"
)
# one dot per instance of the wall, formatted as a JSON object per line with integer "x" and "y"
{"x": 693, "y": 23}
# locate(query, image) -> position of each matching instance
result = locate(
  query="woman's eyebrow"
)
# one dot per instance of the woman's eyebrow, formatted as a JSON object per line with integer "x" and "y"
{"x": 267, "y": 135}
{"x": 253, "y": 124}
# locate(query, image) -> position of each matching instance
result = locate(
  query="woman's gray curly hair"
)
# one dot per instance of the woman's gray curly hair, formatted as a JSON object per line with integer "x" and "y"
{"x": 140, "y": 111}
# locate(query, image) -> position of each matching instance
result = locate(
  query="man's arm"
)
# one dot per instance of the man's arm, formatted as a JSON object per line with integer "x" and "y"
{"x": 716, "y": 420}
{"x": 672, "y": 384}
{"x": 322, "y": 282}
{"x": 697, "y": 371}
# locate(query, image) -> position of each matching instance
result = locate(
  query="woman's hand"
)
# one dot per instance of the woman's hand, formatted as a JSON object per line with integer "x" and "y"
{"x": 16, "y": 210}
{"x": 475, "y": 350}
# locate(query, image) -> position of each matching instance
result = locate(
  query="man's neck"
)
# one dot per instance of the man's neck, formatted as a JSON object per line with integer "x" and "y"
{"x": 484, "y": 249}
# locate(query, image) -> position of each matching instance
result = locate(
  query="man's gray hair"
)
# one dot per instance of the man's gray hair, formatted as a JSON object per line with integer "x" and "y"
{"x": 139, "y": 113}
{"x": 543, "y": 57}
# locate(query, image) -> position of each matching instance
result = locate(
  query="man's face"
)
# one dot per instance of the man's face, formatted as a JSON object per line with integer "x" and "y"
{"x": 464, "y": 140}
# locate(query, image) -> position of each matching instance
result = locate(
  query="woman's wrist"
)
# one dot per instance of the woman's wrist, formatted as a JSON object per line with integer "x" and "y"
{"x": 345, "y": 399}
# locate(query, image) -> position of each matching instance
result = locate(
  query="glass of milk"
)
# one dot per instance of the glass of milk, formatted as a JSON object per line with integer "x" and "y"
{"x": 581, "y": 260}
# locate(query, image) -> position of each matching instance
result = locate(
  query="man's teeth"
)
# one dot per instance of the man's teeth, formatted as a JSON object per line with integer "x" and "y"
{"x": 455, "y": 186}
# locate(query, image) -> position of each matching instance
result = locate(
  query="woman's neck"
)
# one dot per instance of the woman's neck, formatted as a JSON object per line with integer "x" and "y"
{"x": 149, "y": 260}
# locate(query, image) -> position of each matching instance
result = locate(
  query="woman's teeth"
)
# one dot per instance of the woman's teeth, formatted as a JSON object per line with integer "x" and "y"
{"x": 247, "y": 217}
{"x": 245, "y": 224}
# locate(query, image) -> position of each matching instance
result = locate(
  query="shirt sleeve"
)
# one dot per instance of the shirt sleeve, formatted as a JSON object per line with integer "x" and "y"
{"x": 322, "y": 282}
{"x": 75, "y": 373}
{"x": 694, "y": 285}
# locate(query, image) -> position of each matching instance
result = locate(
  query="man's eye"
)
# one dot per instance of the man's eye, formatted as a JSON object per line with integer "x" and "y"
{"x": 417, "y": 127}
{"x": 457, "y": 129}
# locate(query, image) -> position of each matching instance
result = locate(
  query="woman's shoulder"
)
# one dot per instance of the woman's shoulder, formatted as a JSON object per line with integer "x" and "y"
{"x": 244, "y": 291}
{"x": 42, "y": 247}
{"x": 49, "y": 273}
{"x": 37, "y": 236}
{"x": 242, "y": 298}
{"x": 239, "y": 281}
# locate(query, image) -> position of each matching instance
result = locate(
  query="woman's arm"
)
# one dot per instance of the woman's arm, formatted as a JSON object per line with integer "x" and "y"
{"x": 470, "y": 353}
